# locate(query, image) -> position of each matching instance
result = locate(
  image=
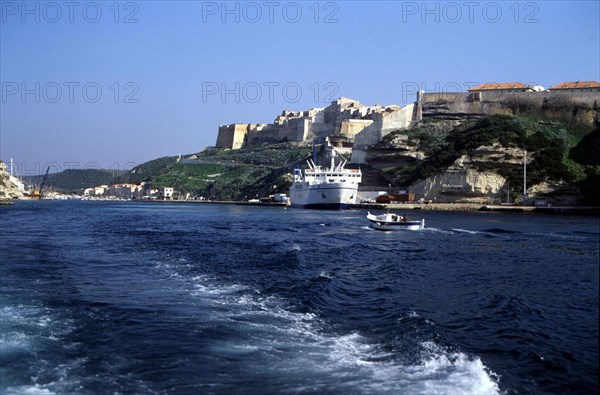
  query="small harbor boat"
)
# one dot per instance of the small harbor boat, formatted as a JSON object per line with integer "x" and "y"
{"x": 391, "y": 221}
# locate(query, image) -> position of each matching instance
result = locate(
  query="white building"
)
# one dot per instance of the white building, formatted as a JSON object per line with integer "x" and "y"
{"x": 166, "y": 193}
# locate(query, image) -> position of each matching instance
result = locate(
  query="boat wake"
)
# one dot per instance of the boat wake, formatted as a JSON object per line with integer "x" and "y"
{"x": 293, "y": 351}
{"x": 471, "y": 232}
{"x": 160, "y": 299}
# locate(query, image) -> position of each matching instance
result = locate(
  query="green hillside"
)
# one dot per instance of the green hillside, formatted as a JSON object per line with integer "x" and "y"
{"x": 562, "y": 152}
{"x": 223, "y": 174}
{"x": 146, "y": 171}
{"x": 74, "y": 180}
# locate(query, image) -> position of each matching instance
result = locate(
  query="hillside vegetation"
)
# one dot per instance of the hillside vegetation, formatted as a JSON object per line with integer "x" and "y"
{"x": 558, "y": 152}
{"x": 561, "y": 152}
{"x": 74, "y": 180}
{"x": 224, "y": 174}
{"x": 146, "y": 171}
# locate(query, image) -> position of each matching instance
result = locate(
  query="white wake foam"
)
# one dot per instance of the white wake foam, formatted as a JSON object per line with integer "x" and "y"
{"x": 28, "y": 390}
{"x": 282, "y": 343}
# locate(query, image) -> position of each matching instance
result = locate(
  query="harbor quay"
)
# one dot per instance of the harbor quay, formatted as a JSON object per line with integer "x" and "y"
{"x": 571, "y": 210}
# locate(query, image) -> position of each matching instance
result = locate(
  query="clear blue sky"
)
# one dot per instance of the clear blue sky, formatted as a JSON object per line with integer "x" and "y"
{"x": 162, "y": 67}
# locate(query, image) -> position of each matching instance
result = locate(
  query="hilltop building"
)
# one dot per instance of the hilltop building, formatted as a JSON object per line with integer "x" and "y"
{"x": 511, "y": 97}
{"x": 343, "y": 117}
{"x": 577, "y": 86}
{"x": 502, "y": 86}
{"x": 356, "y": 128}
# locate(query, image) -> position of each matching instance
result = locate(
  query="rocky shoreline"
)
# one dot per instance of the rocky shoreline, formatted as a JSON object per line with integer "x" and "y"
{"x": 8, "y": 190}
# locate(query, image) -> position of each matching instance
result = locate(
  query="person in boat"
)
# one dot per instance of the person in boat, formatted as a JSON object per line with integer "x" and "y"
{"x": 405, "y": 218}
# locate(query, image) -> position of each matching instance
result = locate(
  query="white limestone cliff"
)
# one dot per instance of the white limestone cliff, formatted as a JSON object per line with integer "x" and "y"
{"x": 8, "y": 190}
{"x": 461, "y": 183}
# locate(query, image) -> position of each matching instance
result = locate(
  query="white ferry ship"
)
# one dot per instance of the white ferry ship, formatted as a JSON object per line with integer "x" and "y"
{"x": 333, "y": 188}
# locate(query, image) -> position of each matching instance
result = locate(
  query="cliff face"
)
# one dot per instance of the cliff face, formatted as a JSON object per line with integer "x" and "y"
{"x": 8, "y": 190}
{"x": 461, "y": 183}
{"x": 481, "y": 160}
{"x": 404, "y": 147}
{"x": 467, "y": 181}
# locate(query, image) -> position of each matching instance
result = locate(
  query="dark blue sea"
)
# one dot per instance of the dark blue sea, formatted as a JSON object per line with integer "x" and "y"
{"x": 152, "y": 298}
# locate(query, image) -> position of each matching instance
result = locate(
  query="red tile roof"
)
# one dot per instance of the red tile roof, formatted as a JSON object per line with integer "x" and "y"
{"x": 577, "y": 85}
{"x": 500, "y": 85}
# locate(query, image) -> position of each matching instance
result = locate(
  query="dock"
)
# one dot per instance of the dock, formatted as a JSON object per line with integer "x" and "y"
{"x": 572, "y": 210}
{"x": 464, "y": 207}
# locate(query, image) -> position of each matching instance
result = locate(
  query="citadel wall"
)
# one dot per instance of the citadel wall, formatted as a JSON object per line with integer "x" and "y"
{"x": 384, "y": 123}
{"x": 580, "y": 106}
{"x": 345, "y": 117}
{"x": 366, "y": 125}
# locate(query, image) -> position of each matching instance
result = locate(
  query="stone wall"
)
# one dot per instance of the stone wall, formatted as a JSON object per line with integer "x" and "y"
{"x": 384, "y": 123}
{"x": 351, "y": 127}
{"x": 343, "y": 116}
{"x": 270, "y": 134}
{"x": 579, "y": 107}
{"x": 318, "y": 132}
{"x": 366, "y": 125}
{"x": 232, "y": 136}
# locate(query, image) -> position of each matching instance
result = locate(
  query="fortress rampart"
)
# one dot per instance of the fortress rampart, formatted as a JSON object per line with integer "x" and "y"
{"x": 343, "y": 117}
{"x": 573, "y": 106}
{"x": 365, "y": 126}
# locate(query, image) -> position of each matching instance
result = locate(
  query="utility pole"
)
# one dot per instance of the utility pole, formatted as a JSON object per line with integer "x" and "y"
{"x": 524, "y": 177}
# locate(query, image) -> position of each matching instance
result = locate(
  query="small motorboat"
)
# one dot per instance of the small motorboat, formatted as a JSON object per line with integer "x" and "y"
{"x": 390, "y": 221}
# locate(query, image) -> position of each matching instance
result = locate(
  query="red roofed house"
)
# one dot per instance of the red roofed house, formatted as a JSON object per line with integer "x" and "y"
{"x": 577, "y": 86}
{"x": 497, "y": 87}
{"x": 502, "y": 86}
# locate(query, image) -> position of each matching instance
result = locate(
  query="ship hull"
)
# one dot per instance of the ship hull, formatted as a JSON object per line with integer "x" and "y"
{"x": 333, "y": 196}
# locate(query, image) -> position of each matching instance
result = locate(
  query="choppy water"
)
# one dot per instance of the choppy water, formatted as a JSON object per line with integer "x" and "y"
{"x": 165, "y": 298}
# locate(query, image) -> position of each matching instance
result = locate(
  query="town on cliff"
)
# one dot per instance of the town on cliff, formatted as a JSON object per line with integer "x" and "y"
{"x": 381, "y": 139}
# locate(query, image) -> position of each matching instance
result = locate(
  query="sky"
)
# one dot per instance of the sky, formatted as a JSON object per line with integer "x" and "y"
{"x": 94, "y": 84}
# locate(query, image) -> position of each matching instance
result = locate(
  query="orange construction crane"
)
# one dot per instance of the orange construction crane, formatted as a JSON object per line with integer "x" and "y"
{"x": 37, "y": 194}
